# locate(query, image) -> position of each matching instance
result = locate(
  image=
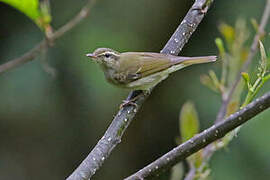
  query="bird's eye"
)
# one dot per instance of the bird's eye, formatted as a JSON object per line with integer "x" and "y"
{"x": 107, "y": 55}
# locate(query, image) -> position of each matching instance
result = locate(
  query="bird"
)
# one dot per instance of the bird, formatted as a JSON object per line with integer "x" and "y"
{"x": 141, "y": 70}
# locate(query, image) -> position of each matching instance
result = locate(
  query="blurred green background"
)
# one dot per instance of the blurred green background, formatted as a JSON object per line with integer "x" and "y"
{"x": 48, "y": 124}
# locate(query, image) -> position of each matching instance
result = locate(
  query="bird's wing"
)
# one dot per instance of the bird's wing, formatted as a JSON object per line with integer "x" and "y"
{"x": 139, "y": 65}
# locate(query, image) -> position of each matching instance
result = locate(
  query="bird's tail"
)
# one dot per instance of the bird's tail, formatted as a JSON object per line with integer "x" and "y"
{"x": 181, "y": 62}
{"x": 197, "y": 60}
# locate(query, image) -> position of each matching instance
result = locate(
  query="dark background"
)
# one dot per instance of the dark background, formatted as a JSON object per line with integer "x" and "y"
{"x": 48, "y": 124}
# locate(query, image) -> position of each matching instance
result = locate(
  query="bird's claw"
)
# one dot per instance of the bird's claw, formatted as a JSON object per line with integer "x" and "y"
{"x": 132, "y": 100}
{"x": 128, "y": 103}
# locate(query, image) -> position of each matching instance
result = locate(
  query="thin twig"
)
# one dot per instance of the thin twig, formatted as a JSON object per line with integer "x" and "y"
{"x": 210, "y": 149}
{"x": 253, "y": 49}
{"x": 31, "y": 54}
{"x": 191, "y": 173}
{"x": 121, "y": 121}
{"x": 24, "y": 58}
{"x": 74, "y": 21}
{"x": 201, "y": 140}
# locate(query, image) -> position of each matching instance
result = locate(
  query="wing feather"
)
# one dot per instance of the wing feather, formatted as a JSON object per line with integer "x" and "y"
{"x": 140, "y": 64}
{"x": 144, "y": 64}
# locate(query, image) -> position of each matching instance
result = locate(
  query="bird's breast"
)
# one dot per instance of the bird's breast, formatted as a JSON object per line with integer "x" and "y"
{"x": 115, "y": 78}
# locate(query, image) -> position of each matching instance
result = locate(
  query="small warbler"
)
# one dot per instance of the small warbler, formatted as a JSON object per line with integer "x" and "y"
{"x": 141, "y": 70}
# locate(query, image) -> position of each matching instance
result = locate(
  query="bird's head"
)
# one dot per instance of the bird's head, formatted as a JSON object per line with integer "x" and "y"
{"x": 105, "y": 56}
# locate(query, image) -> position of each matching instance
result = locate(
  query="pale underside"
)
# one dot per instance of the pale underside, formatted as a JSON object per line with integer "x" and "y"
{"x": 146, "y": 83}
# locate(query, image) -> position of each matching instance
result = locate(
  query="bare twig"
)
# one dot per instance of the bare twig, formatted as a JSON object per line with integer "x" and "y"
{"x": 253, "y": 49}
{"x": 191, "y": 173}
{"x": 201, "y": 140}
{"x": 226, "y": 98}
{"x": 30, "y": 55}
{"x": 121, "y": 121}
{"x": 24, "y": 58}
{"x": 74, "y": 21}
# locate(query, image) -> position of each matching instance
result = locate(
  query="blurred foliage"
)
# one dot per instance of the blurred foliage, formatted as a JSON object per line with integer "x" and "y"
{"x": 262, "y": 77}
{"x": 28, "y": 7}
{"x": 177, "y": 171}
{"x": 233, "y": 53}
{"x": 189, "y": 127}
{"x": 39, "y": 12}
{"x": 49, "y": 124}
{"x": 189, "y": 122}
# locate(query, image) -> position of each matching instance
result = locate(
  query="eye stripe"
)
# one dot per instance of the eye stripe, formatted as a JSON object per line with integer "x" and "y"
{"x": 109, "y": 53}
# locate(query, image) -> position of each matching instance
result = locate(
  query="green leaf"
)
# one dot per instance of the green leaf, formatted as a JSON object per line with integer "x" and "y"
{"x": 263, "y": 64}
{"x": 232, "y": 107}
{"x": 267, "y": 77}
{"x": 214, "y": 78}
{"x": 245, "y": 76}
{"x": 29, "y": 7}
{"x": 189, "y": 123}
{"x": 254, "y": 24}
{"x": 38, "y": 12}
{"x": 219, "y": 44}
{"x": 207, "y": 81}
{"x": 228, "y": 32}
{"x": 197, "y": 159}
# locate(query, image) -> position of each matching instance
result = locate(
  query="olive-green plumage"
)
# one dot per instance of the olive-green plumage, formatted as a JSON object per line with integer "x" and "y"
{"x": 141, "y": 70}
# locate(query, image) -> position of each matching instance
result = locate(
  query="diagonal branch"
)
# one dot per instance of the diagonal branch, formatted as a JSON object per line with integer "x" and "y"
{"x": 201, "y": 140}
{"x": 28, "y": 56}
{"x": 121, "y": 121}
{"x": 31, "y": 54}
{"x": 84, "y": 12}
{"x": 252, "y": 52}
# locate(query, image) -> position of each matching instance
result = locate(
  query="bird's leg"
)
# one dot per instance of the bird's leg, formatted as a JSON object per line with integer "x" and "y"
{"x": 131, "y": 100}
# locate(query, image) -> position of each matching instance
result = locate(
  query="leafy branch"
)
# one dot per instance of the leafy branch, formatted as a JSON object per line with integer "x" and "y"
{"x": 203, "y": 139}
{"x": 236, "y": 60}
{"x": 252, "y": 51}
{"x": 50, "y": 35}
{"x": 198, "y": 162}
{"x": 262, "y": 77}
{"x": 203, "y": 170}
{"x": 37, "y": 11}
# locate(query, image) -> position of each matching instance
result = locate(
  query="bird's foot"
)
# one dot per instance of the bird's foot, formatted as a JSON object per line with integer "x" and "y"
{"x": 129, "y": 103}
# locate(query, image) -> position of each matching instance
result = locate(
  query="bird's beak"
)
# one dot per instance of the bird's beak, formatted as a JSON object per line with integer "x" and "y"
{"x": 91, "y": 55}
